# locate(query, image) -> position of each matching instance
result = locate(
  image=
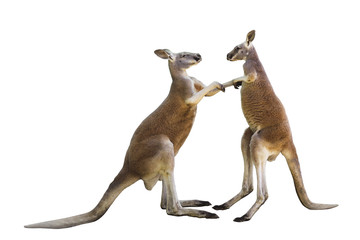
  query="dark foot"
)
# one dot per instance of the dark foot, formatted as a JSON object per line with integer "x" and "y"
{"x": 221, "y": 207}
{"x": 242, "y": 219}
{"x": 194, "y": 203}
{"x": 211, "y": 215}
{"x": 194, "y": 213}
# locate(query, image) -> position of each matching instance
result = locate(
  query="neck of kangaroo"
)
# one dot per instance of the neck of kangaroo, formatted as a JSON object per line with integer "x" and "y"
{"x": 252, "y": 63}
{"x": 181, "y": 83}
{"x": 177, "y": 73}
{"x": 253, "y": 56}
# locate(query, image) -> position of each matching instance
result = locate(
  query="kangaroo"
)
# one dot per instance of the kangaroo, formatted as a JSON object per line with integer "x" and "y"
{"x": 268, "y": 133}
{"x": 154, "y": 145}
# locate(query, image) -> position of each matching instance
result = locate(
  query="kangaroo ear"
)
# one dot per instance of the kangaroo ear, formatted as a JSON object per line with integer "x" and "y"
{"x": 250, "y": 37}
{"x": 164, "y": 54}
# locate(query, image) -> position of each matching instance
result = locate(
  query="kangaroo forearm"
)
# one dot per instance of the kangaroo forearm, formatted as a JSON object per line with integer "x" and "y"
{"x": 246, "y": 78}
{"x": 228, "y": 84}
{"x": 195, "y": 99}
{"x": 212, "y": 93}
{"x": 234, "y": 81}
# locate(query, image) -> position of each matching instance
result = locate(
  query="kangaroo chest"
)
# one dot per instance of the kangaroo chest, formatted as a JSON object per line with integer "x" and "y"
{"x": 172, "y": 120}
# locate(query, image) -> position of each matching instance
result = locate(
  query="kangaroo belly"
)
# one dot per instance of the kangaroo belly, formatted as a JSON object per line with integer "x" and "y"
{"x": 256, "y": 113}
{"x": 261, "y": 107}
{"x": 179, "y": 127}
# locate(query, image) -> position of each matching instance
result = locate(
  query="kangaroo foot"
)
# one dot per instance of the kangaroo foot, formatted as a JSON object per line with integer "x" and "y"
{"x": 194, "y": 203}
{"x": 193, "y": 213}
{"x": 242, "y": 219}
{"x": 221, "y": 207}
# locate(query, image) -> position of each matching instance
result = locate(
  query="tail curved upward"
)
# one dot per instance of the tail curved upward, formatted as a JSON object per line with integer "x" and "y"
{"x": 294, "y": 167}
{"x": 122, "y": 181}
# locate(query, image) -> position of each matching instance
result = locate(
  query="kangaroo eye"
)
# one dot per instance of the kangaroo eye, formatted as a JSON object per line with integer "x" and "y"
{"x": 237, "y": 48}
{"x": 183, "y": 55}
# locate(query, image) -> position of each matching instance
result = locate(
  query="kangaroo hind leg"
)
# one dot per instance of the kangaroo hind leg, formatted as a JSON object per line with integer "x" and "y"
{"x": 259, "y": 155}
{"x": 155, "y": 159}
{"x": 183, "y": 203}
{"x": 173, "y": 205}
{"x": 247, "y": 184}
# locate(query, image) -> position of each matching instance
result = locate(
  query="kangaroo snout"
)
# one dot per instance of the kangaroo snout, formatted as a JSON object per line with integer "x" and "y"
{"x": 198, "y": 57}
{"x": 229, "y": 56}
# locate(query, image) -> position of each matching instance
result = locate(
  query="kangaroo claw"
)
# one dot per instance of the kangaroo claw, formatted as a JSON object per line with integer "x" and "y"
{"x": 237, "y": 85}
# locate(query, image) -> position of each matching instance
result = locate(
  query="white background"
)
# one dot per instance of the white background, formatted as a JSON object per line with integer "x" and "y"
{"x": 78, "y": 77}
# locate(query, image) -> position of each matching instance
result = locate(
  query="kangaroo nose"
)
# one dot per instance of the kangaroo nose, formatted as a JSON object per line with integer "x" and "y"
{"x": 197, "y": 57}
{"x": 228, "y": 56}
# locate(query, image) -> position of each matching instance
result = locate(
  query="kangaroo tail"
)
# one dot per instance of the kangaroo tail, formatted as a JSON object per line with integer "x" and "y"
{"x": 294, "y": 166}
{"x": 122, "y": 181}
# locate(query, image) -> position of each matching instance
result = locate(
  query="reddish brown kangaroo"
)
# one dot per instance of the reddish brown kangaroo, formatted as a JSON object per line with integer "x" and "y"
{"x": 268, "y": 134}
{"x": 150, "y": 156}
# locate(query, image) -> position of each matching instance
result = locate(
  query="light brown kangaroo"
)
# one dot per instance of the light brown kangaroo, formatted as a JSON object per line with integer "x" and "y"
{"x": 268, "y": 134}
{"x": 155, "y": 143}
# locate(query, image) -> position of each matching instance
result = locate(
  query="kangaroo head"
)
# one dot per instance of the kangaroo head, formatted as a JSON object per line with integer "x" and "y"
{"x": 181, "y": 61}
{"x": 241, "y": 51}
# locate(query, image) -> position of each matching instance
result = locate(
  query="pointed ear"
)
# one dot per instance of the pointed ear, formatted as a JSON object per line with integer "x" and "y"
{"x": 250, "y": 37}
{"x": 164, "y": 54}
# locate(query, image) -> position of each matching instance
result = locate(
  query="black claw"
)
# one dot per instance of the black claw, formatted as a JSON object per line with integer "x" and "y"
{"x": 221, "y": 207}
{"x": 222, "y": 88}
{"x": 205, "y": 203}
{"x": 242, "y": 219}
{"x": 237, "y": 85}
{"x": 211, "y": 216}
{"x": 195, "y": 203}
